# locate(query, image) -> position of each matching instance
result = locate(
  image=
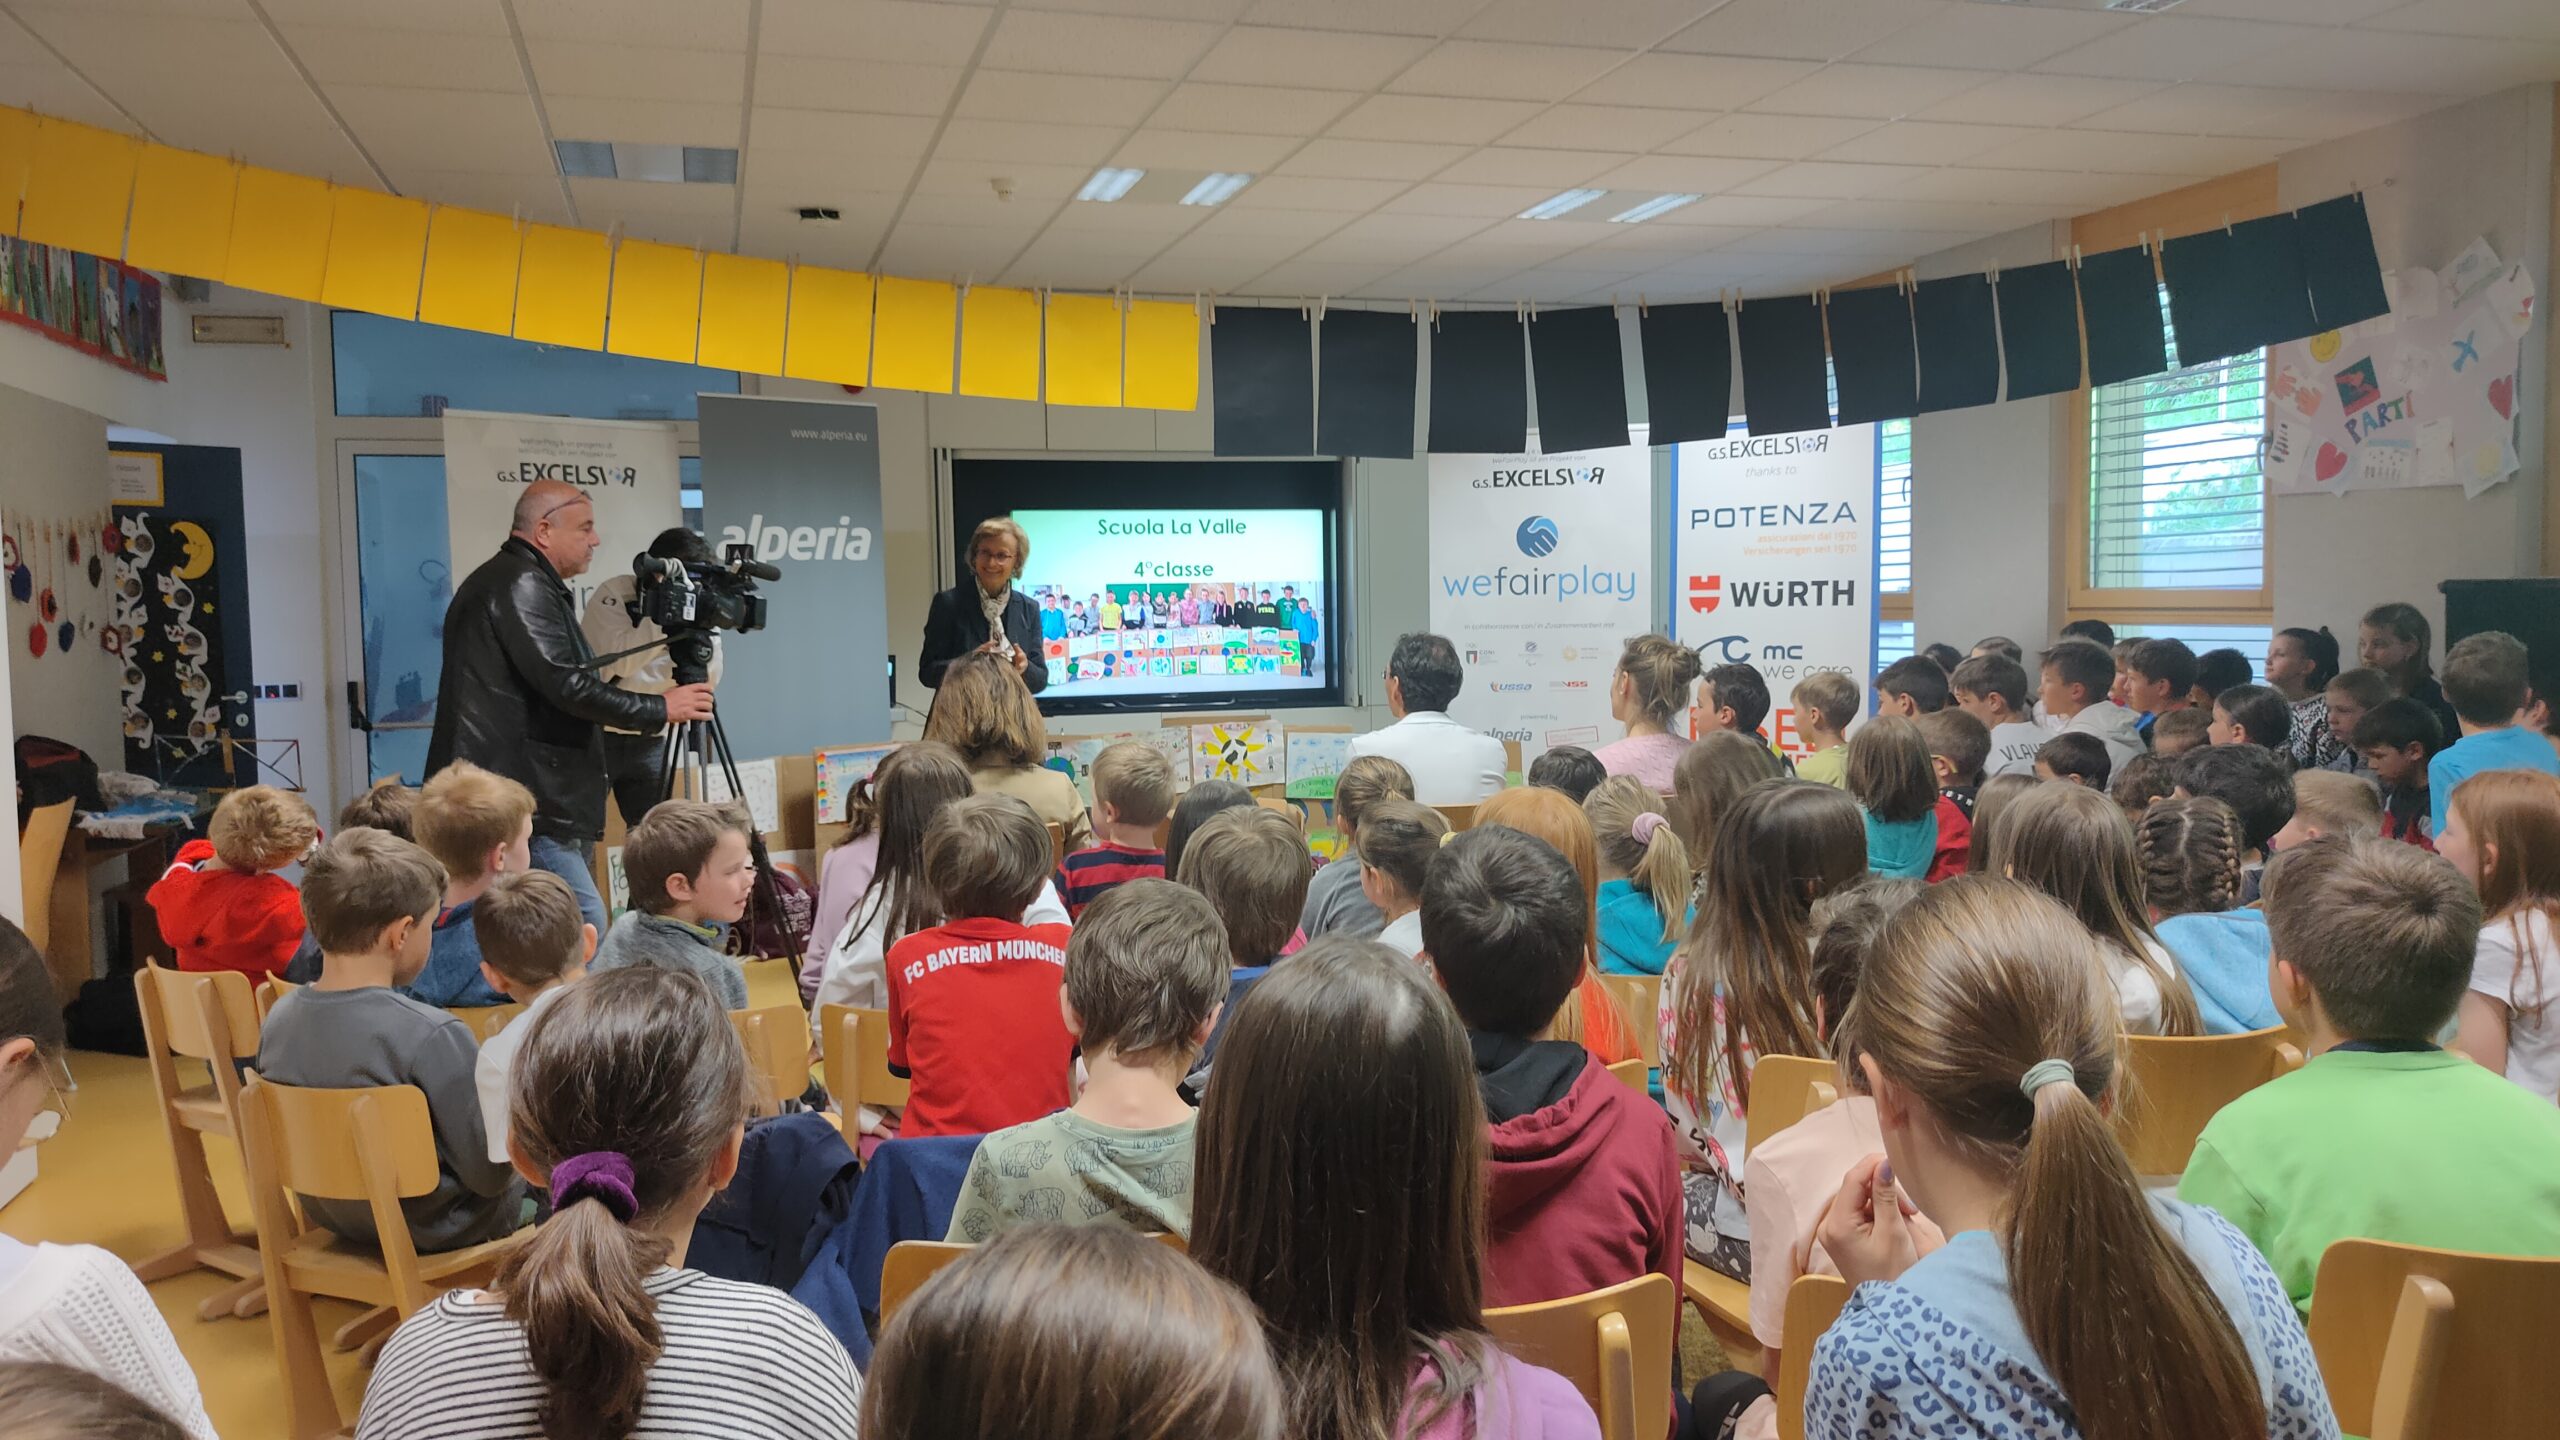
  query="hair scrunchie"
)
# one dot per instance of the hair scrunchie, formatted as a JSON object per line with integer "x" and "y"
{"x": 2046, "y": 1072}
{"x": 603, "y": 1175}
{"x": 1646, "y": 826}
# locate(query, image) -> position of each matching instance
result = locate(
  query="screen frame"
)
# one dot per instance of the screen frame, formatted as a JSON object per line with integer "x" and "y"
{"x": 983, "y": 486}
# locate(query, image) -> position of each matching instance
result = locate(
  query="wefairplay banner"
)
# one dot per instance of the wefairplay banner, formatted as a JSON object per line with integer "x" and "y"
{"x": 1773, "y": 556}
{"x": 627, "y": 467}
{"x": 800, "y": 481}
{"x": 1540, "y": 569}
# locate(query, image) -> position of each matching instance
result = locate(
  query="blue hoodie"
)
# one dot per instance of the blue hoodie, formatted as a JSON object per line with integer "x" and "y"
{"x": 1631, "y": 940}
{"x": 1901, "y": 847}
{"x": 2223, "y": 955}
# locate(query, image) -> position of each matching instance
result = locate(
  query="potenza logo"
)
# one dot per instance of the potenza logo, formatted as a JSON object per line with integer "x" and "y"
{"x": 1776, "y": 516}
{"x": 1708, "y": 593}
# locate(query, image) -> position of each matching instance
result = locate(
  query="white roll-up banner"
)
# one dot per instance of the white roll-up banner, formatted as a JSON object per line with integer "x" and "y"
{"x": 627, "y": 467}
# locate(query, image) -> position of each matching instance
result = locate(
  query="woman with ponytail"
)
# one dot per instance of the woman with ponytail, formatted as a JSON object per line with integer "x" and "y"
{"x": 1644, "y": 877}
{"x": 2067, "y": 1303}
{"x": 629, "y": 1103}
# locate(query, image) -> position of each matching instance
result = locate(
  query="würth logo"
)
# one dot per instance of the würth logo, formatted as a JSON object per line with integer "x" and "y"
{"x": 1706, "y": 592}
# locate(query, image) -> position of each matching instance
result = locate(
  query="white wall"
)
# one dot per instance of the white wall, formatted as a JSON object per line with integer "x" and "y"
{"x": 57, "y": 468}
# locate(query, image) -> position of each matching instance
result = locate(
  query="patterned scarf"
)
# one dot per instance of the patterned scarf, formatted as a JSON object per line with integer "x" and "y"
{"x": 993, "y": 607}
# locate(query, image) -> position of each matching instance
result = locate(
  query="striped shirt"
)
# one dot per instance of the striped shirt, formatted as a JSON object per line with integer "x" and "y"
{"x": 741, "y": 1362}
{"x": 1088, "y": 875}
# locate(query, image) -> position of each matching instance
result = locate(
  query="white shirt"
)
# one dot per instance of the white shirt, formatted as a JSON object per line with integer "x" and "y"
{"x": 857, "y": 972}
{"x": 1450, "y": 764}
{"x": 1403, "y": 934}
{"x": 2501, "y": 972}
{"x": 2013, "y": 748}
{"x": 497, "y": 1061}
{"x": 77, "y": 1305}
{"x": 2137, "y": 989}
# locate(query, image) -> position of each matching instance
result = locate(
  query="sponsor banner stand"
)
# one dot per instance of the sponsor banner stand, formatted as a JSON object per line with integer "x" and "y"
{"x": 627, "y": 467}
{"x": 1773, "y": 557}
{"x": 1540, "y": 570}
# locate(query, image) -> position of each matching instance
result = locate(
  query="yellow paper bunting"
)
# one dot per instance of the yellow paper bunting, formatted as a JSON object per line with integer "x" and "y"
{"x": 560, "y": 287}
{"x": 1164, "y": 355}
{"x": 745, "y": 304}
{"x": 912, "y": 335}
{"x": 470, "y": 278}
{"x": 1084, "y": 350}
{"x": 1000, "y": 344}
{"x": 279, "y": 234}
{"x": 182, "y": 212}
{"x": 377, "y": 245}
{"x": 657, "y": 301}
{"x": 830, "y": 330}
{"x": 79, "y": 182}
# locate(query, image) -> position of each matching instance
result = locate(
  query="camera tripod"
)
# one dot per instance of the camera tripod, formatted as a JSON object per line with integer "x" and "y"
{"x": 685, "y": 760}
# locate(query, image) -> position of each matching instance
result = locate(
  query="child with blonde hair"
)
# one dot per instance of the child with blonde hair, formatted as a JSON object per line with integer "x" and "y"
{"x": 533, "y": 944}
{"x": 1132, "y": 794}
{"x": 2330, "y": 802}
{"x": 220, "y": 904}
{"x": 1647, "y": 692}
{"x": 1825, "y": 704}
{"x": 1644, "y": 878}
{"x": 1337, "y": 898}
{"x": 479, "y": 826}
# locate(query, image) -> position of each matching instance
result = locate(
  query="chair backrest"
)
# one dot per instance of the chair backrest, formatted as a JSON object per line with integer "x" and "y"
{"x": 1782, "y": 1093}
{"x": 1615, "y": 1345}
{"x": 321, "y": 1136}
{"x": 484, "y": 1021}
{"x": 1460, "y": 817}
{"x": 2486, "y": 1384}
{"x": 777, "y": 1041}
{"x": 1639, "y": 998}
{"x": 1633, "y": 1074}
{"x": 1057, "y": 844}
{"x": 39, "y": 857}
{"x": 1813, "y": 1302}
{"x": 856, "y": 1044}
{"x": 910, "y": 1263}
{"x": 2180, "y": 1082}
{"x": 271, "y": 990}
{"x": 209, "y": 1015}
{"x": 2404, "y": 1399}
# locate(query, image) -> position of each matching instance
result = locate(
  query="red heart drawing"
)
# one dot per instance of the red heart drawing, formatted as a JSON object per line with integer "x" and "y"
{"x": 2502, "y": 396}
{"x": 2328, "y": 462}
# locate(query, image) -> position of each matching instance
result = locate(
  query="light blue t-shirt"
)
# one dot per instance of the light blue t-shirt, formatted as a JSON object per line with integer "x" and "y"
{"x": 1902, "y": 848}
{"x": 1631, "y": 940}
{"x": 2510, "y": 748}
{"x": 2223, "y": 955}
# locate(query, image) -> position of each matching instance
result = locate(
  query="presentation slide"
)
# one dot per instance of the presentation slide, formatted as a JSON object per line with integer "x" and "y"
{"x": 1179, "y": 601}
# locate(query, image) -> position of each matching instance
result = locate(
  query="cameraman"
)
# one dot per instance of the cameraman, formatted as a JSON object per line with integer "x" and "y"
{"x": 614, "y": 623}
{"x": 518, "y": 696}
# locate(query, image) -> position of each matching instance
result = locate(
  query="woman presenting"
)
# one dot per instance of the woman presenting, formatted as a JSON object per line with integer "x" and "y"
{"x": 985, "y": 612}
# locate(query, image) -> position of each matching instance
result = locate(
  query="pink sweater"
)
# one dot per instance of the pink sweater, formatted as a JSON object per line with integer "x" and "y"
{"x": 1649, "y": 758}
{"x": 1518, "y": 1401}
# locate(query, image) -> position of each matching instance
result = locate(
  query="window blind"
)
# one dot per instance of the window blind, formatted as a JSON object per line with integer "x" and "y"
{"x": 2177, "y": 500}
{"x": 1893, "y": 512}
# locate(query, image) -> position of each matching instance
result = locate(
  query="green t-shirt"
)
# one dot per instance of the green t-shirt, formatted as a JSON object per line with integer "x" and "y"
{"x": 2417, "y": 1148}
{"x": 1063, "y": 1167}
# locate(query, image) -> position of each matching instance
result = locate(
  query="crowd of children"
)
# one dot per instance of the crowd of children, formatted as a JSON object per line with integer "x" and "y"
{"x": 1374, "y": 1094}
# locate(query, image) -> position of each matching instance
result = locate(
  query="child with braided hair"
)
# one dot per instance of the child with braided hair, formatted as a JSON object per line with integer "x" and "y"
{"x": 2191, "y": 849}
{"x": 1644, "y": 877}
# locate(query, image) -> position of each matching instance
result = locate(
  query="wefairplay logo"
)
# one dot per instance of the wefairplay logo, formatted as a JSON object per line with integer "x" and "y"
{"x": 1537, "y": 537}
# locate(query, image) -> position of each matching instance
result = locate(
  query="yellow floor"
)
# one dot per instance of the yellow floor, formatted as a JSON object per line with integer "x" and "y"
{"x": 106, "y": 1180}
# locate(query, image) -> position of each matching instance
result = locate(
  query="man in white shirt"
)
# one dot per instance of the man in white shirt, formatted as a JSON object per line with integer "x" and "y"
{"x": 1450, "y": 764}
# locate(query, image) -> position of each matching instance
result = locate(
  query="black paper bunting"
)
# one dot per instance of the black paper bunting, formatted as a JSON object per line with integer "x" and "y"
{"x": 1367, "y": 377}
{"x": 1262, "y": 393}
{"x": 1582, "y": 379}
{"x": 1783, "y": 385}
{"x": 2040, "y": 329}
{"x": 1871, "y": 355}
{"x": 1479, "y": 384}
{"x": 2338, "y": 262}
{"x": 2120, "y": 309}
{"x": 1959, "y": 343}
{"x": 1688, "y": 371}
{"x": 2237, "y": 289}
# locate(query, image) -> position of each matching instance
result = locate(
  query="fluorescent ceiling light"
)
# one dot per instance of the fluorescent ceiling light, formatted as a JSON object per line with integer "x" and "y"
{"x": 1556, "y": 205}
{"x": 1217, "y": 188}
{"x": 667, "y": 164}
{"x": 1110, "y": 183}
{"x": 585, "y": 159}
{"x": 1658, "y": 205}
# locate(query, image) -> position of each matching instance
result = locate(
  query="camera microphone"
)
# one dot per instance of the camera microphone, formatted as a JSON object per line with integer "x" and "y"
{"x": 754, "y": 569}
{"x": 653, "y": 568}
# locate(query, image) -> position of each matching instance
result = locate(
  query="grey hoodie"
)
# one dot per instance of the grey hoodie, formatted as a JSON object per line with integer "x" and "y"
{"x": 2116, "y": 727}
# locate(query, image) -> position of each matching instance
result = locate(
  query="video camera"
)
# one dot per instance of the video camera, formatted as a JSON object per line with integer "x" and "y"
{"x": 690, "y": 598}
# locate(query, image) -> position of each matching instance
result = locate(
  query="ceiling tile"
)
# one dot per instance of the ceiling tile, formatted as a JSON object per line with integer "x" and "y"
{"x": 47, "y": 87}
{"x": 1436, "y": 229}
{"x": 1014, "y": 140}
{"x": 1925, "y": 142}
{"x": 1032, "y": 96}
{"x": 1370, "y": 159}
{"x": 817, "y": 175}
{"x": 1802, "y": 29}
{"x": 1253, "y": 109}
{"x": 683, "y": 24}
{"x": 982, "y": 210}
{"x": 1169, "y": 273}
{"x": 1478, "y": 202}
{"x": 2038, "y": 100}
{"x": 1431, "y": 118}
{"x": 531, "y": 197}
{"x": 2116, "y": 152}
{"x": 1768, "y": 137}
{"x": 1742, "y": 210}
{"x": 1679, "y": 174}
{"x": 1058, "y": 43}
{"x": 1367, "y": 250}
{"x": 2488, "y": 19}
{"x": 837, "y": 131}
{"x": 1880, "y": 92}
{"x": 2050, "y": 190}
{"x": 1552, "y": 287}
{"x": 1202, "y": 150}
{"x": 2346, "y": 60}
{"x": 642, "y": 122}
{"x": 948, "y": 252}
{"x": 1309, "y": 277}
{"x": 1986, "y": 37}
{"x": 847, "y": 245}
{"x": 1217, "y": 11}
{"x": 1552, "y": 236}
{"x": 912, "y": 30}
{"x": 1554, "y": 169}
{"x": 1819, "y": 179}
{"x": 1497, "y": 68}
{"x": 454, "y": 129}
{"x": 1695, "y": 82}
{"x": 1405, "y": 17}
{"x": 1545, "y": 22}
{"x": 2203, "y": 109}
{"x": 1250, "y": 229}
{"x": 1650, "y": 242}
{"x": 1267, "y": 55}
{"x": 1904, "y": 217}
{"x": 451, "y": 17}
{"x": 592, "y": 67}
{"x": 2175, "y": 47}
{"x": 348, "y": 56}
{"x": 826, "y": 82}
{"x": 2307, "y": 12}
{"x": 1621, "y": 127}
{"x": 1315, "y": 192}
{"x": 1147, "y": 227}
{"x": 1031, "y": 183}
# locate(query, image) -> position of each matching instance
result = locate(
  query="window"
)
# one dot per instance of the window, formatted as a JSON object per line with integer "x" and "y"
{"x": 1893, "y": 517}
{"x": 2249, "y": 640}
{"x": 391, "y": 367}
{"x": 1895, "y": 640}
{"x": 2176, "y": 499}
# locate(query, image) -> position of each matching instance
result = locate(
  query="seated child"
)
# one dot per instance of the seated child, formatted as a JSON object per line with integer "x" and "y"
{"x": 1146, "y": 970}
{"x": 2329, "y": 802}
{"x": 2486, "y": 683}
{"x": 2076, "y": 687}
{"x": 2190, "y": 848}
{"x": 2160, "y": 679}
{"x": 1337, "y": 900}
{"x": 2142, "y": 780}
{"x": 1959, "y": 746}
{"x": 1896, "y": 789}
{"x": 371, "y": 898}
{"x": 2218, "y": 672}
{"x": 2502, "y": 832}
{"x": 1826, "y": 703}
{"x": 689, "y": 870}
{"x": 534, "y": 944}
{"x": 1251, "y": 863}
{"x": 2251, "y": 715}
{"x": 1397, "y": 841}
{"x": 1990, "y": 803}
{"x": 2352, "y": 695}
{"x": 220, "y": 904}
{"x": 1993, "y": 689}
{"x": 1568, "y": 768}
{"x": 2180, "y": 731}
{"x": 2373, "y": 948}
{"x": 387, "y": 807}
{"x": 2077, "y": 757}
{"x": 1132, "y": 794}
{"x": 2395, "y": 740}
{"x": 974, "y": 1019}
{"x": 479, "y": 826}
{"x": 1644, "y": 878}
{"x": 1911, "y": 687}
{"x": 1584, "y": 1190}
{"x": 2257, "y": 787}
{"x": 2073, "y": 844}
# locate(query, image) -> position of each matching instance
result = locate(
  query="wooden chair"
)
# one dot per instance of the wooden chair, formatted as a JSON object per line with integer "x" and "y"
{"x": 211, "y": 1016}
{"x": 910, "y": 1263}
{"x": 1634, "y": 1074}
{"x": 777, "y": 1041}
{"x": 271, "y": 990}
{"x": 1813, "y": 1302}
{"x": 1057, "y": 843}
{"x": 1460, "y": 817}
{"x": 856, "y": 1047}
{"x": 1784, "y": 1089}
{"x": 2177, "y": 1083}
{"x": 484, "y": 1021}
{"x": 376, "y": 1145}
{"x": 1615, "y": 1345}
{"x": 1639, "y": 998}
{"x": 39, "y": 857}
{"x": 2458, "y": 1366}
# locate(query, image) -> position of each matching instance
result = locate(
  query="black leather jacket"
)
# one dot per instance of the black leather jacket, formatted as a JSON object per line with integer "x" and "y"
{"x": 518, "y": 697}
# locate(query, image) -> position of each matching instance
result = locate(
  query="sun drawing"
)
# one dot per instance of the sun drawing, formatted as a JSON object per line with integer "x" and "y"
{"x": 1235, "y": 752}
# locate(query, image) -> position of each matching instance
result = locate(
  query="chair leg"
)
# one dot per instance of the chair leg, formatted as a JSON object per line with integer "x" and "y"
{"x": 230, "y": 1300}
{"x": 310, "y": 1403}
{"x": 372, "y": 1350}
{"x": 252, "y": 1304}
{"x": 367, "y": 1326}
